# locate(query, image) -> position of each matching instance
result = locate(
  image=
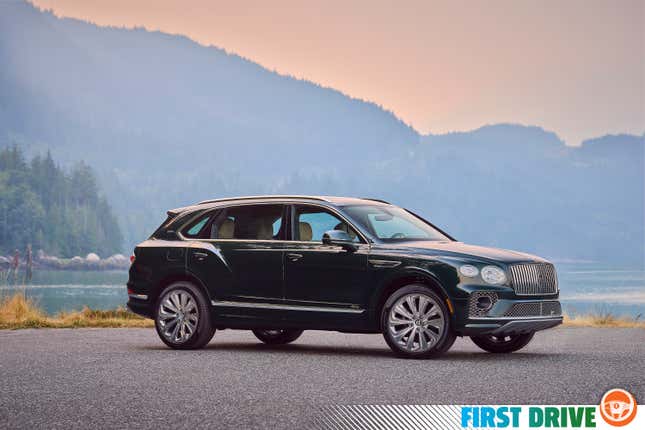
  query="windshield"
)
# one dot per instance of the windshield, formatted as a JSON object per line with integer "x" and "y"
{"x": 392, "y": 224}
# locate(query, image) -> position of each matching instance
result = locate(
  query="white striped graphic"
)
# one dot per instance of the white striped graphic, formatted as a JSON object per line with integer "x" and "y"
{"x": 389, "y": 417}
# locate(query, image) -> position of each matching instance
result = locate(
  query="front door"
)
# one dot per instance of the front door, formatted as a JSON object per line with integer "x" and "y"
{"x": 325, "y": 283}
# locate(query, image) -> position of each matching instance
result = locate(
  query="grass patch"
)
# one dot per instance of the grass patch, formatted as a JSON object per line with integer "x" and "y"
{"x": 18, "y": 311}
{"x": 604, "y": 319}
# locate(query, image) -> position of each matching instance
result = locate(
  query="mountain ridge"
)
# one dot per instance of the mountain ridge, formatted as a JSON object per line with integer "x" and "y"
{"x": 167, "y": 122}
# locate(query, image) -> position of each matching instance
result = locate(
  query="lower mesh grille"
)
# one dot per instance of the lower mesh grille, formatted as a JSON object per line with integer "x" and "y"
{"x": 534, "y": 309}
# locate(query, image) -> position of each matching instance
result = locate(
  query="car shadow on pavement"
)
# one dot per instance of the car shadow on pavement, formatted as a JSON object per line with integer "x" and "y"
{"x": 343, "y": 350}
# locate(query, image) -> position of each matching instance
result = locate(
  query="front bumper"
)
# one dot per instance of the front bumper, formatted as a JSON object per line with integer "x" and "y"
{"x": 509, "y": 326}
{"x": 508, "y": 314}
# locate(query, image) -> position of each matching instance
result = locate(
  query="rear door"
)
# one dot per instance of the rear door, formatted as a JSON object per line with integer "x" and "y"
{"x": 245, "y": 267}
{"x": 250, "y": 238}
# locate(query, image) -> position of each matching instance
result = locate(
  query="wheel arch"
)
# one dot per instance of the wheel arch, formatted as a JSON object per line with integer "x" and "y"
{"x": 407, "y": 277}
{"x": 178, "y": 277}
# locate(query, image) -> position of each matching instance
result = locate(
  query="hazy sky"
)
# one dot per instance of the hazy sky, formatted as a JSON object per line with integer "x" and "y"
{"x": 574, "y": 67}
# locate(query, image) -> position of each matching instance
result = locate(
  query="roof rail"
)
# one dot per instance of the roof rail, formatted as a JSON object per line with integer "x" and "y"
{"x": 226, "y": 199}
{"x": 376, "y": 200}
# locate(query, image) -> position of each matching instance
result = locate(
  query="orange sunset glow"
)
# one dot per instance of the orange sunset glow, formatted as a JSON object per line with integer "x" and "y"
{"x": 574, "y": 67}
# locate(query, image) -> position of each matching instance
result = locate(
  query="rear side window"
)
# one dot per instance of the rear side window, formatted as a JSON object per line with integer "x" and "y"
{"x": 249, "y": 222}
{"x": 197, "y": 229}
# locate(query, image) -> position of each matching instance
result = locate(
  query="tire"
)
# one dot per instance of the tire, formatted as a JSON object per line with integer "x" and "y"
{"x": 502, "y": 344}
{"x": 277, "y": 337}
{"x": 183, "y": 304}
{"x": 431, "y": 336}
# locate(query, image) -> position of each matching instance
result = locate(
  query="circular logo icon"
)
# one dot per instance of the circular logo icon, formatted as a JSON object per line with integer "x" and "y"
{"x": 618, "y": 407}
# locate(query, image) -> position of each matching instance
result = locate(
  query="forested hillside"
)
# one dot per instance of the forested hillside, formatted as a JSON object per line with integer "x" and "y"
{"x": 57, "y": 211}
{"x": 166, "y": 122}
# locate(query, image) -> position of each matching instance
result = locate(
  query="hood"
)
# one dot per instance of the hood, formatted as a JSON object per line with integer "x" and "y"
{"x": 460, "y": 249}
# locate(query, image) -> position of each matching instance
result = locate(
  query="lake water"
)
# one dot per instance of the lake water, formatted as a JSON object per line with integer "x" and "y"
{"x": 584, "y": 288}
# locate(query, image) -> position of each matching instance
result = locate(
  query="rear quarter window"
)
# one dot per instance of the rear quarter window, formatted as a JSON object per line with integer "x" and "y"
{"x": 197, "y": 228}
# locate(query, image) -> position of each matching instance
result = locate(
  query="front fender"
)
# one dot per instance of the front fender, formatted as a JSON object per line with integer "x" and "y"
{"x": 441, "y": 277}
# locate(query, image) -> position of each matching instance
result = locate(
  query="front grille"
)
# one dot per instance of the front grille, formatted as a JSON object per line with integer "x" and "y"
{"x": 534, "y": 309}
{"x": 534, "y": 279}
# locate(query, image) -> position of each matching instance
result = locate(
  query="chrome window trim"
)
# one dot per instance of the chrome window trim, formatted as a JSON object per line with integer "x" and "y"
{"x": 225, "y": 206}
{"x": 284, "y": 307}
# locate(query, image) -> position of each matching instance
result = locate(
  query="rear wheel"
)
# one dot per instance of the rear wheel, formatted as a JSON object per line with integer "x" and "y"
{"x": 502, "y": 344}
{"x": 416, "y": 323}
{"x": 182, "y": 318}
{"x": 277, "y": 337}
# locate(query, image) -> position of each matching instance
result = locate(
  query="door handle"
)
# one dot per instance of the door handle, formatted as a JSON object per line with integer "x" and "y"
{"x": 294, "y": 257}
{"x": 201, "y": 256}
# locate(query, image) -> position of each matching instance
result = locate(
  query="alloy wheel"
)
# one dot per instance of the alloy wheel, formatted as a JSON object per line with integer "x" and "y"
{"x": 178, "y": 316}
{"x": 416, "y": 322}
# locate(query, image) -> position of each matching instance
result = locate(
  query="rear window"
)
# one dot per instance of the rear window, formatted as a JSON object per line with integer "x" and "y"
{"x": 249, "y": 222}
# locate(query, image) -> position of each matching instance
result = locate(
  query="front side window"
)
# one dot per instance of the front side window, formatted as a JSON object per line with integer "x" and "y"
{"x": 312, "y": 222}
{"x": 392, "y": 224}
{"x": 249, "y": 222}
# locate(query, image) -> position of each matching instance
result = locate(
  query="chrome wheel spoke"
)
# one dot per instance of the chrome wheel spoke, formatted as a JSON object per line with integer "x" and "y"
{"x": 401, "y": 334}
{"x": 166, "y": 315}
{"x": 436, "y": 323}
{"x": 174, "y": 298}
{"x": 432, "y": 312}
{"x": 190, "y": 326}
{"x": 410, "y": 343}
{"x": 410, "y": 300}
{"x": 432, "y": 335}
{"x": 170, "y": 305}
{"x": 423, "y": 344}
{"x": 399, "y": 321}
{"x": 402, "y": 311}
{"x": 423, "y": 304}
{"x": 175, "y": 332}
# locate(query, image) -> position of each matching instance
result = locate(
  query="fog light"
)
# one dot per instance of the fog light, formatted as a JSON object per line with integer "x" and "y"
{"x": 480, "y": 302}
{"x": 484, "y": 303}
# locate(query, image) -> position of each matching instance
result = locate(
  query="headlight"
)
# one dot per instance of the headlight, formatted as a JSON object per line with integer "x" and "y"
{"x": 469, "y": 270}
{"x": 493, "y": 275}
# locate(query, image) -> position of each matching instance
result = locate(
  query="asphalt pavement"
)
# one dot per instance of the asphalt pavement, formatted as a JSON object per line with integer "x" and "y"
{"x": 125, "y": 378}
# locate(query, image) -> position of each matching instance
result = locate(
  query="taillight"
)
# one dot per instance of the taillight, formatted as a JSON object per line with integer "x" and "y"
{"x": 132, "y": 257}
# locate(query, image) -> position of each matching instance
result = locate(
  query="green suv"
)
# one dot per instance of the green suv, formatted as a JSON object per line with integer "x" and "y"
{"x": 278, "y": 265}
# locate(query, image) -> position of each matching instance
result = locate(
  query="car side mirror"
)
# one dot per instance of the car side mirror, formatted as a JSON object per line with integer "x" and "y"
{"x": 339, "y": 238}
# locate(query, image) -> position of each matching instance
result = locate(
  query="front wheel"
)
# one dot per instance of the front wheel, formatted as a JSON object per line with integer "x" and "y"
{"x": 277, "y": 337}
{"x": 502, "y": 344}
{"x": 182, "y": 318}
{"x": 416, "y": 323}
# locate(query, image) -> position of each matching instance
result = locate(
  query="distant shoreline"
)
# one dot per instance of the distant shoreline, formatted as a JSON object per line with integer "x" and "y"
{"x": 42, "y": 261}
